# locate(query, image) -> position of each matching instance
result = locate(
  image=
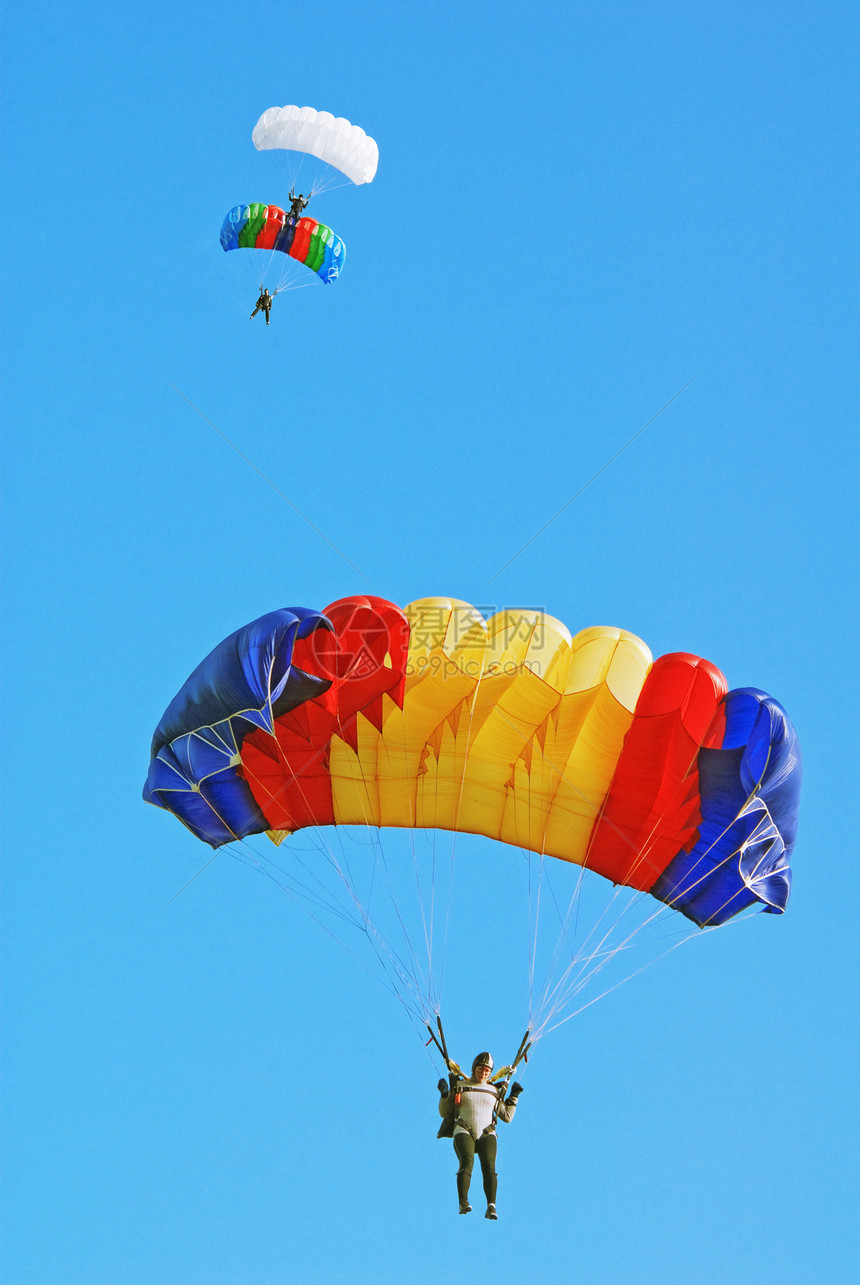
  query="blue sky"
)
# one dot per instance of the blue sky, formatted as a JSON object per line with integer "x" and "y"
{"x": 579, "y": 209}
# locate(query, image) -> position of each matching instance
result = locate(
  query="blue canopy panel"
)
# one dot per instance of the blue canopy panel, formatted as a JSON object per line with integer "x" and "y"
{"x": 286, "y": 236}
{"x": 750, "y": 793}
{"x": 245, "y": 683}
{"x": 232, "y": 226}
{"x": 334, "y": 258}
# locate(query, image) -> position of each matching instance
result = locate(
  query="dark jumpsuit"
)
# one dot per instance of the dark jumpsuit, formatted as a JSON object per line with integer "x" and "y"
{"x": 264, "y": 302}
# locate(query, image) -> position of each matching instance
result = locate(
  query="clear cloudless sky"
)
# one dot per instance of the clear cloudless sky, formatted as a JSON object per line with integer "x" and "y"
{"x": 579, "y": 209}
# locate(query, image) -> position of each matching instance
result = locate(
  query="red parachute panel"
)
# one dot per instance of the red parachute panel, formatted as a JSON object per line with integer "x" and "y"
{"x": 652, "y": 808}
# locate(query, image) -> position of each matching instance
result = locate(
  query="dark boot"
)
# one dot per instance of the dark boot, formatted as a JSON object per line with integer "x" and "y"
{"x": 463, "y": 1180}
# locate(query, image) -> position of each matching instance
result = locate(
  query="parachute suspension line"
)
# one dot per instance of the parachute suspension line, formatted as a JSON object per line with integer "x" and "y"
{"x": 281, "y": 271}
{"x": 323, "y": 184}
{"x": 449, "y": 898}
{"x": 435, "y": 996}
{"x": 533, "y": 927}
{"x": 302, "y": 895}
{"x": 445, "y": 912}
{"x": 551, "y": 992}
{"x": 190, "y": 881}
{"x": 385, "y": 981}
{"x": 562, "y": 938}
{"x": 552, "y": 967}
{"x": 292, "y": 165}
{"x": 375, "y": 936}
{"x": 599, "y": 960}
{"x": 294, "y": 779}
{"x": 323, "y": 901}
{"x": 388, "y": 968}
{"x": 426, "y": 928}
{"x": 426, "y": 897}
{"x": 534, "y": 921}
{"x": 590, "y": 962}
{"x": 403, "y": 970}
{"x": 421, "y": 981}
{"x": 460, "y": 791}
{"x": 413, "y": 967}
{"x": 422, "y": 986}
{"x": 427, "y": 913}
{"x": 406, "y": 970}
{"x": 433, "y": 834}
{"x": 287, "y": 885}
{"x": 546, "y": 1028}
{"x": 590, "y": 968}
{"x": 587, "y": 964}
{"x": 533, "y": 899}
{"x": 532, "y": 938}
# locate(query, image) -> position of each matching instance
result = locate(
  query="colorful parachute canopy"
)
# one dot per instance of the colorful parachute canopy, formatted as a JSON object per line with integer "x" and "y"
{"x": 581, "y": 748}
{"x": 268, "y": 227}
{"x": 330, "y": 138}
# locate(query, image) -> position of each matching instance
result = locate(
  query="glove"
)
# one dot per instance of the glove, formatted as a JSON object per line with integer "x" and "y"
{"x": 453, "y": 1080}
{"x": 516, "y": 1090}
{"x": 442, "y": 1086}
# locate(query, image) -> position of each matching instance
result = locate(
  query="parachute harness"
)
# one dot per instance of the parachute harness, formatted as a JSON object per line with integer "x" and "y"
{"x": 503, "y": 1073}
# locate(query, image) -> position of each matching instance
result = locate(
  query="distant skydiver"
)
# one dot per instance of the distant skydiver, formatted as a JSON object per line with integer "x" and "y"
{"x": 299, "y": 203}
{"x": 469, "y": 1110}
{"x": 265, "y": 303}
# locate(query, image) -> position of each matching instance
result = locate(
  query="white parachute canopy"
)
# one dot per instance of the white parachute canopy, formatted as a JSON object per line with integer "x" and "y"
{"x": 330, "y": 138}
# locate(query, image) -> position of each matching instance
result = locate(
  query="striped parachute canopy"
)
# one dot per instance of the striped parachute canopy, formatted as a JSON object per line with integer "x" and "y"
{"x": 580, "y": 748}
{"x": 268, "y": 227}
{"x": 330, "y": 139}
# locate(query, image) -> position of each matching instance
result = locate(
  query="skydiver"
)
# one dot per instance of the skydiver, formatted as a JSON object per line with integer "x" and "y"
{"x": 299, "y": 203}
{"x": 469, "y": 1110}
{"x": 264, "y": 302}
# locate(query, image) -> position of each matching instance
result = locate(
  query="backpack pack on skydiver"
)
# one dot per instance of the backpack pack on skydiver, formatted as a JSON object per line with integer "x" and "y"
{"x": 446, "y": 1128}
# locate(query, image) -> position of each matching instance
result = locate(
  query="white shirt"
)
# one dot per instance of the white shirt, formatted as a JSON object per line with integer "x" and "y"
{"x": 474, "y": 1112}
